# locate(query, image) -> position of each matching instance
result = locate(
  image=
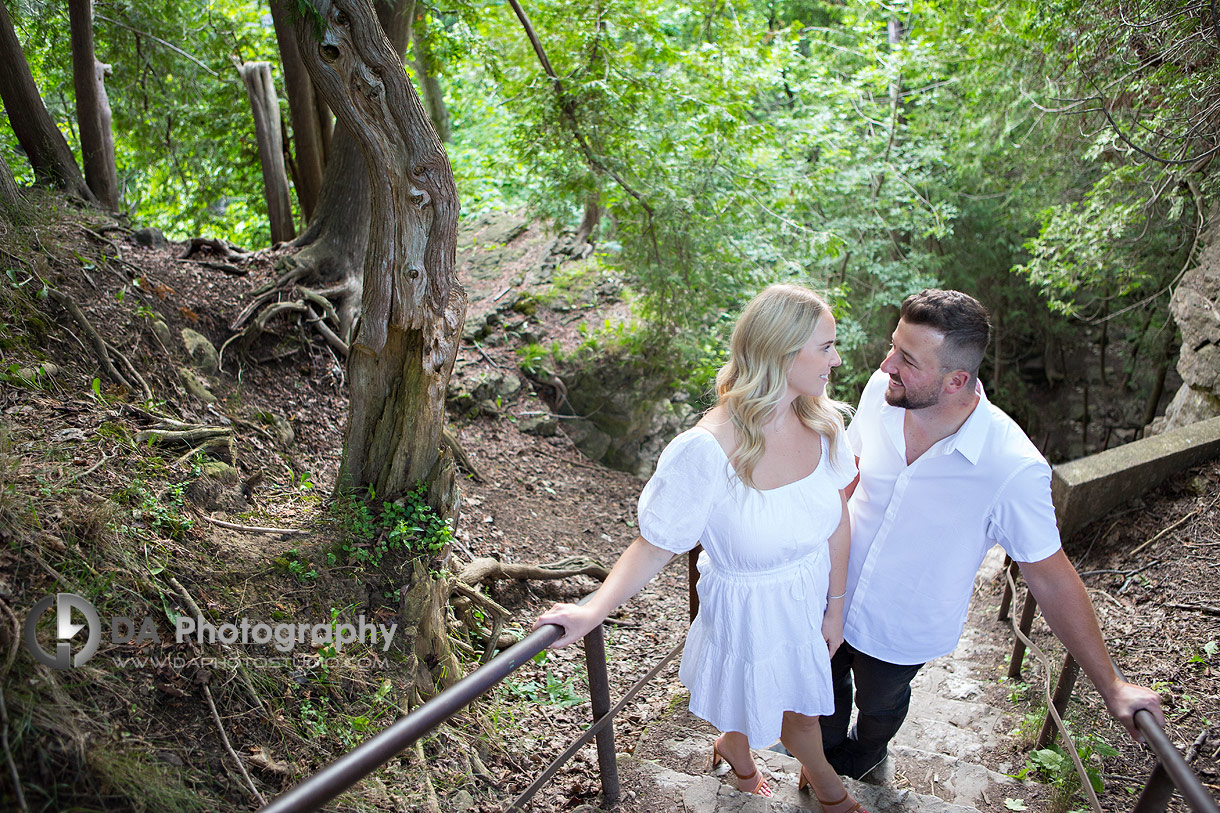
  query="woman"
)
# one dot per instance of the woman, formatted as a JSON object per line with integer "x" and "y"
{"x": 759, "y": 481}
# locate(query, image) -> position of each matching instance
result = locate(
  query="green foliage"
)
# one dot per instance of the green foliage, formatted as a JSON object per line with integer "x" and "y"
{"x": 161, "y": 512}
{"x": 1053, "y": 765}
{"x": 183, "y": 130}
{"x": 551, "y": 691}
{"x": 407, "y": 527}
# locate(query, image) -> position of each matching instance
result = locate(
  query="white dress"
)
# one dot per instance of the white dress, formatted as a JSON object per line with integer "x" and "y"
{"x": 755, "y": 650}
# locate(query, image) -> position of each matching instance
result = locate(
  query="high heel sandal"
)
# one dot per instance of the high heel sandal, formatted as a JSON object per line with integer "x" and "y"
{"x": 805, "y": 782}
{"x": 753, "y": 782}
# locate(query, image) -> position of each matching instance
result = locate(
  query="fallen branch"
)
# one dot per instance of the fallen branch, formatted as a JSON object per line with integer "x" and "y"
{"x": 224, "y": 738}
{"x": 487, "y": 569}
{"x": 131, "y": 369}
{"x": 99, "y": 344}
{"x": 8, "y": 753}
{"x": 197, "y": 436}
{"x": 1199, "y": 608}
{"x": 252, "y": 529}
{"x": 1164, "y": 531}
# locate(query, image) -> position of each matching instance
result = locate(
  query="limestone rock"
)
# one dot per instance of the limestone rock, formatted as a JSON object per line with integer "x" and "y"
{"x": 150, "y": 238}
{"x": 195, "y": 386}
{"x": 161, "y": 331}
{"x": 1196, "y": 309}
{"x": 541, "y": 425}
{"x": 201, "y": 351}
{"x": 629, "y": 412}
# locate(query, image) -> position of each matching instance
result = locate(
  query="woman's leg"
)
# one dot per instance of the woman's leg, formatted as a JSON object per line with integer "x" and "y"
{"x": 735, "y": 748}
{"x": 802, "y": 736}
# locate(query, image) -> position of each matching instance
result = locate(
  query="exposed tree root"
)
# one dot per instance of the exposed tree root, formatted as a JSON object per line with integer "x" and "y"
{"x": 213, "y": 247}
{"x": 487, "y": 569}
{"x": 431, "y": 803}
{"x": 312, "y": 307}
{"x": 459, "y": 454}
{"x": 101, "y": 348}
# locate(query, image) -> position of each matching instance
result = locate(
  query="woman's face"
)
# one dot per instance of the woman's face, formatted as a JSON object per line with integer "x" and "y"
{"x": 810, "y": 371}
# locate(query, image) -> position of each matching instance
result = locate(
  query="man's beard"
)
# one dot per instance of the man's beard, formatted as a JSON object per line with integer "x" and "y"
{"x": 905, "y": 399}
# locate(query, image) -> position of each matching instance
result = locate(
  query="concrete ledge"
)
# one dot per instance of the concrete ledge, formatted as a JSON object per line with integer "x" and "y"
{"x": 1085, "y": 489}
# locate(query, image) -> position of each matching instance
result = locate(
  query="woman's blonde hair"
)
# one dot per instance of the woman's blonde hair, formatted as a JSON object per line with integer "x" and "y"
{"x": 772, "y": 329}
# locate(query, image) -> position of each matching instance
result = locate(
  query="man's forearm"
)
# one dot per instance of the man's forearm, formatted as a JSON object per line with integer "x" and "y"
{"x": 1068, "y": 611}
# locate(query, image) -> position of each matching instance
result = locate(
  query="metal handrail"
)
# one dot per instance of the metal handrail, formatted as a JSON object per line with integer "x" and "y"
{"x": 370, "y": 755}
{"x": 1171, "y": 771}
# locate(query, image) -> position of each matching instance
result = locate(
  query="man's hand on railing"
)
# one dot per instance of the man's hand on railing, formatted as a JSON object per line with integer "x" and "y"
{"x": 1124, "y": 699}
{"x": 577, "y": 622}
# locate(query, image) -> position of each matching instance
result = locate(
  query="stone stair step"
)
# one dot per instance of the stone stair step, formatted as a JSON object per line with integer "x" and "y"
{"x": 711, "y": 793}
{"x": 955, "y": 780}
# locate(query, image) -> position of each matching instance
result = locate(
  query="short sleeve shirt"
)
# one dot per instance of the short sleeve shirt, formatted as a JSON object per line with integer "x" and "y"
{"x": 920, "y": 532}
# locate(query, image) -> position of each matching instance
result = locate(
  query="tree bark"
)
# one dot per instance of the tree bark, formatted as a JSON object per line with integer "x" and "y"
{"x": 12, "y": 202}
{"x": 334, "y": 244}
{"x": 266, "y": 107}
{"x": 425, "y": 74}
{"x": 308, "y": 114}
{"x": 44, "y": 145}
{"x": 92, "y": 107}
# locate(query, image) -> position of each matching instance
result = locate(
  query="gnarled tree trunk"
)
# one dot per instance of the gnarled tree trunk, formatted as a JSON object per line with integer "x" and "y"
{"x": 92, "y": 107}
{"x": 264, "y": 103}
{"x": 334, "y": 244}
{"x": 412, "y": 307}
{"x": 44, "y": 145}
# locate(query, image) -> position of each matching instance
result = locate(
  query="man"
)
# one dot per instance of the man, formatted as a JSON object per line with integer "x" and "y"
{"x": 944, "y": 475}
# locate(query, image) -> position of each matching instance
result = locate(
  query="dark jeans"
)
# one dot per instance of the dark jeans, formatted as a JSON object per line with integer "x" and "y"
{"x": 883, "y": 696}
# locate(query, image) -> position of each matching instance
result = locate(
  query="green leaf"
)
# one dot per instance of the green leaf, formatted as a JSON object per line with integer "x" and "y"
{"x": 1015, "y": 804}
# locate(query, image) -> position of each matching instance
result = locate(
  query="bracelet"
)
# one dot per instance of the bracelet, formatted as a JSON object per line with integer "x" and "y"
{"x": 841, "y": 595}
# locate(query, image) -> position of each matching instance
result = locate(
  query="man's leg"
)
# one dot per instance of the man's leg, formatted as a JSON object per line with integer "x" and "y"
{"x": 883, "y": 697}
{"x": 834, "y": 726}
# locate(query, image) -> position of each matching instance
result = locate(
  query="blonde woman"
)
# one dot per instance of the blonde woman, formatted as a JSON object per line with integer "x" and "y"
{"x": 759, "y": 481}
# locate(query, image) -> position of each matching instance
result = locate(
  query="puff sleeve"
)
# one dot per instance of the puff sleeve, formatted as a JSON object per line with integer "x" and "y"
{"x": 675, "y": 504}
{"x": 842, "y": 461}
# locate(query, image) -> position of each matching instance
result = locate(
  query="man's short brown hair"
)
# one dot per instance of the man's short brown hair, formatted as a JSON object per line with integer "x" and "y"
{"x": 960, "y": 318}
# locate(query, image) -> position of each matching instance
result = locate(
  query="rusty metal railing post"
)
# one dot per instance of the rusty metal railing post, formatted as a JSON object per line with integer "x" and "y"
{"x": 1028, "y": 609}
{"x": 1006, "y": 599}
{"x": 1060, "y": 699}
{"x": 692, "y": 579}
{"x": 1156, "y": 793}
{"x": 599, "y": 699}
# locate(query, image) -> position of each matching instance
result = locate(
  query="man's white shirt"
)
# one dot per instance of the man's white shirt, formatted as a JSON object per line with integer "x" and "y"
{"x": 920, "y": 532}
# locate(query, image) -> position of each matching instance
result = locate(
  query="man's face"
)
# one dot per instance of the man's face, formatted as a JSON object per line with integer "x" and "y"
{"x": 913, "y": 365}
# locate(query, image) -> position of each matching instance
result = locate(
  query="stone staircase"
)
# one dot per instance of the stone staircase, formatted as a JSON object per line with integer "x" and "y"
{"x": 935, "y": 752}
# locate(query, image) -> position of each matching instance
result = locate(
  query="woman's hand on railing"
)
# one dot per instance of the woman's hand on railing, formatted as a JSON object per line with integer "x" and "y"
{"x": 577, "y": 622}
{"x": 1124, "y": 699}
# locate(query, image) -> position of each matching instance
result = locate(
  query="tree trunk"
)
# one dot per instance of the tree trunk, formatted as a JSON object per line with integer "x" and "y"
{"x": 425, "y": 74}
{"x": 412, "y": 307}
{"x": 11, "y": 200}
{"x": 266, "y": 106}
{"x": 92, "y": 107}
{"x": 334, "y": 244}
{"x": 309, "y": 119}
{"x": 44, "y": 145}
